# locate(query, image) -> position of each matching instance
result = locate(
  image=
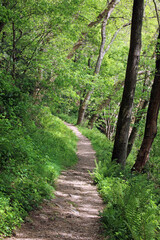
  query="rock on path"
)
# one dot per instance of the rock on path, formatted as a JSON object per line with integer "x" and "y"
{"x": 74, "y": 212}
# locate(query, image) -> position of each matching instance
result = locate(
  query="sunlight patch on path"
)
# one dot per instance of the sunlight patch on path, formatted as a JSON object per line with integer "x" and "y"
{"x": 74, "y": 212}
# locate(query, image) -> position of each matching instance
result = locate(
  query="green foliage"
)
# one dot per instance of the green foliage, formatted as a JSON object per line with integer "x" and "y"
{"x": 100, "y": 143}
{"x": 34, "y": 145}
{"x": 69, "y": 119}
{"x": 32, "y": 155}
{"x": 11, "y": 216}
{"x": 131, "y": 211}
{"x": 153, "y": 165}
{"x": 132, "y": 200}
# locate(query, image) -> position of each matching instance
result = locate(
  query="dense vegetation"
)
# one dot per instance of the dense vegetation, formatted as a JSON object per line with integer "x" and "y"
{"x": 68, "y": 59}
{"x": 33, "y": 153}
{"x": 132, "y": 200}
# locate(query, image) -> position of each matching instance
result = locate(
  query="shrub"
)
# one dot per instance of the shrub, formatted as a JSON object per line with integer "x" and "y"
{"x": 132, "y": 200}
{"x": 33, "y": 152}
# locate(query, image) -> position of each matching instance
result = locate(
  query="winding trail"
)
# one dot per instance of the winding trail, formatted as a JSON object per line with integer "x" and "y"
{"x": 74, "y": 212}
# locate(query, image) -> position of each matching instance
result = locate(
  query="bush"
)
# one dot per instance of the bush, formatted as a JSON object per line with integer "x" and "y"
{"x": 69, "y": 119}
{"x": 11, "y": 216}
{"x": 132, "y": 200}
{"x": 131, "y": 211}
{"x": 33, "y": 152}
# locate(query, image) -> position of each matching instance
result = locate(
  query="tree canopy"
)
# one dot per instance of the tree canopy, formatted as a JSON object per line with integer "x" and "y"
{"x": 70, "y": 57}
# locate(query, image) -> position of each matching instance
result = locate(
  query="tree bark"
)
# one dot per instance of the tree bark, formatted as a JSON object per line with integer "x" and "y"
{"x": 152, "y": 116}
{"x": 102, "y": 52}
{"x": 13, "y": 50}
{"x": 98, "y": 65}
{"x": 1, "y": 26}
{"x": 102, "y": 47}
{"x": 122, "y": 131}
{"x": 82, "y": 108}
{"x": 103, "y": 15}
{"x": 106, "y": 13}
{"x": 84, "y": 102}
{"x": 103, "y": 104}
{"x": 96, "y": 114}
{"x": 134, "y": 131}
{"x": 140, "y": 112}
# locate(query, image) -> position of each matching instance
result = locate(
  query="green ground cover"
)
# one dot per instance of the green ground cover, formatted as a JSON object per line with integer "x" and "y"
{"x": 33, "y": 153}
{"x": 132, "y": 200}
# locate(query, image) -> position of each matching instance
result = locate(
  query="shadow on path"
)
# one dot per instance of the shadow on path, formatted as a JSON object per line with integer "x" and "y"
{"x": 74, "y": 212}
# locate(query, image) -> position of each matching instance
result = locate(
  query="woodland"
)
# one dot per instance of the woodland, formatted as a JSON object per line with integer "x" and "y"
{"x": 95, "y": 64}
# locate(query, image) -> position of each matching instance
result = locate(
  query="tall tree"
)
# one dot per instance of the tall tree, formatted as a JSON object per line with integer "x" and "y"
{"x": 105, "y": 14}
{"x": 122, "y": 131}
{"x": 152, "y": 116}
{"x": 141, "y": 109}
{"x": 104, "y": 104}
{"x": 4, "y": 16}
{"x": 134, "y": 131}
{"x": 102, "y": 51}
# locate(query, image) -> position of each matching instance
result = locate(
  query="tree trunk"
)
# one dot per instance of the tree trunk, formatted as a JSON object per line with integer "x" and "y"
{"x": 82, "y": 108}
{"x": 142, "y": 105}
{"x": 134, "y": 131}
{"x": 92, "y": 120}
{"x": 105, "y": 14}
{"x": 152, "y": 116}
{"x": 95, "y": 115}
{"x": 121, "y": 139}
{"x": 103, "y": 104}
{"x": 1, "y": 25}
{"x": 101, "y": 55}
{"x": 13, "y": 50}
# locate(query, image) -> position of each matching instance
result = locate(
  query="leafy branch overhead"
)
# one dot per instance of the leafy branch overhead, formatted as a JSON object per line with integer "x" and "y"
{"x": 90, "y": 64}
{"x": 103, "y": 16}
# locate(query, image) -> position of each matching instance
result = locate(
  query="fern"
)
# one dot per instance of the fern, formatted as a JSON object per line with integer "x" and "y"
{"x": 132, "y": 210}
{"x": 140, "y": 210}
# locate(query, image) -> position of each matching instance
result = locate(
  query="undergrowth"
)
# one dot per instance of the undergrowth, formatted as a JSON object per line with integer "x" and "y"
{"x": 70, "y": 119}
{"x": 33, "y": 151}
{"x": 132, "y": 200}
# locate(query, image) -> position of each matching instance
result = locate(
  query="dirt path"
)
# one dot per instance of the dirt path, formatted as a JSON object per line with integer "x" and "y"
{"x": 73, "y": 213}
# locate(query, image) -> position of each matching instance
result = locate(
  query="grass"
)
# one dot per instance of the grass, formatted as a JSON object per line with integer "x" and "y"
{"x": 70, "y": 119}
{"x": 132, "y": 209}
{"x": 33, "y": 153}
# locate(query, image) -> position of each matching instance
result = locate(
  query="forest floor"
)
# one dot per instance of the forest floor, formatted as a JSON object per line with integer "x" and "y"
{"x": 74, "y": 212}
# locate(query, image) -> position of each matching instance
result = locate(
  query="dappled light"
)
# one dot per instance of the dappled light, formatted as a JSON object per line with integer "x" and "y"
{"x": 74, "y": 212}
{"x": 73, "y": 67}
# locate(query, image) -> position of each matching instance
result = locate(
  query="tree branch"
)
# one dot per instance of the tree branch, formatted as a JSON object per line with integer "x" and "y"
{"x": 156, "y": 8}
{"x": 34, "y": 51}
{"x": 114, "y": 37}
{"x": 104, "y": 15}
